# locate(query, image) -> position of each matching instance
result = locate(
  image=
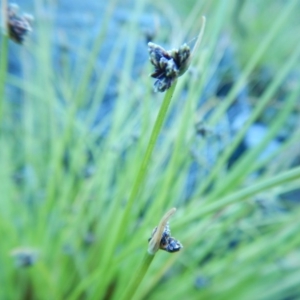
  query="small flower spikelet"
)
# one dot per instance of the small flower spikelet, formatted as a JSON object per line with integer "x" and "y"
{"x": 168, "y": 65}
{"x": 18, "y": 25}
{"x": 24, "y": 257}
{"x": 167, "y": 243}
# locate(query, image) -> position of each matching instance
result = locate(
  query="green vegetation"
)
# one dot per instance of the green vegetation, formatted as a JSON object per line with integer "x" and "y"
{"x": 79, "y": 200}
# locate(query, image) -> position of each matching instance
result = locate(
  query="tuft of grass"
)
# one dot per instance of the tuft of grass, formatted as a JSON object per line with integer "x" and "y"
{"x": 76, "y": 203}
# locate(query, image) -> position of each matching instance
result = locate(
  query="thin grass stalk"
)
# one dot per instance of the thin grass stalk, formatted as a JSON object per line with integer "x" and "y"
{"x": 104, "y": 79}
{"x": 4, "y": 58}
{"x": 146, "y": 289}
{"x": 287, "y": 288}
{"x": 90, "y": 64}
{"x": 144, "y": 165}
{"x": 195, "y": 212}
{"x": 3, "y": 72}
{"x": 128, "y": 65}
{"x": 170, "y": 173}
{"x": 138, "y": 277}
{"x": 283, "y": 148}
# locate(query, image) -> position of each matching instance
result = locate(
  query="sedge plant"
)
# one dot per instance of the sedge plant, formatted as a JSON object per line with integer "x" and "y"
{"x": 79, "y": 198}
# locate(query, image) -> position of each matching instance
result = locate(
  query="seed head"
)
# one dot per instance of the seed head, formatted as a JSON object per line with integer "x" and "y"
{"x": 168, "y": 65}
{"x": 18, "y": 25}
{"x": 24, "y": 257}
{"x": 161, "y": 236}
{"x": 167, "y": 243}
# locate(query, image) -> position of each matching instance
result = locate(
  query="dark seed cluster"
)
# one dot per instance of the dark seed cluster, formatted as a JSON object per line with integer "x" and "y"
{"x": 25, "y": 257}
{"x": 167, "y": 243}
{"x": 168, "y": 65}
{"x": 18, "y": 25}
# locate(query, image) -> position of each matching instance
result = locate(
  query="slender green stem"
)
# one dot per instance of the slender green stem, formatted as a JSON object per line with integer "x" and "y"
{"x": 143, "y": 168}
{"x": 138, "y": 277}
{"x": 3, "y": 71}
{"x": 136, "y": 187}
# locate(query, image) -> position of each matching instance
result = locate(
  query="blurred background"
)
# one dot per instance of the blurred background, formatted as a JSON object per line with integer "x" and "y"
{"x": 77, "y": 110}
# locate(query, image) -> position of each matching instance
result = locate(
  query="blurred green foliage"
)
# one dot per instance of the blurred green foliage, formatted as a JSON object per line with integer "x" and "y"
{"x": 65, "y": 181}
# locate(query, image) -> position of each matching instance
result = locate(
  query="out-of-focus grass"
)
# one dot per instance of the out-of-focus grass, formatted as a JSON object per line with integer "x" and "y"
{"x": 65, "y": 181}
